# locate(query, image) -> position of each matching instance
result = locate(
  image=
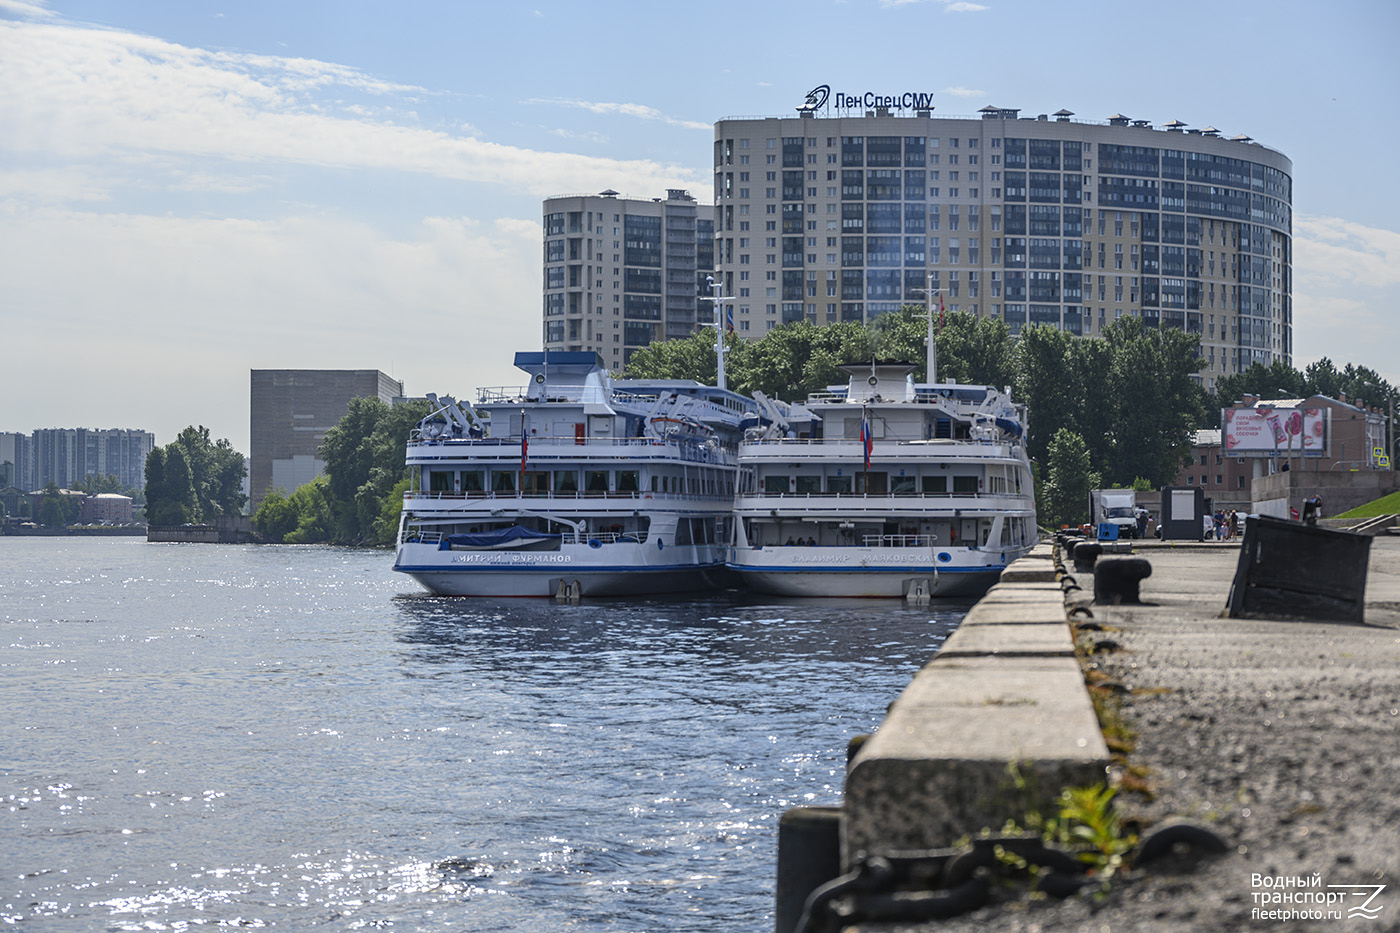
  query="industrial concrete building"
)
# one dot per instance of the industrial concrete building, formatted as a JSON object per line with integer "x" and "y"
{"x": 621, "y": 273}
{"x": 842, "y": 213}
{"x": 291, "y": 411}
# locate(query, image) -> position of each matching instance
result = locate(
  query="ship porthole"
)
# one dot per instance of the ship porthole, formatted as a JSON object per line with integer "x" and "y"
{"x": 660, "y": 544}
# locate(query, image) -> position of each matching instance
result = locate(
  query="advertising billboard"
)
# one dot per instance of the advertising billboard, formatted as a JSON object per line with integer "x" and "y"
{"x": 1268, "y": 432}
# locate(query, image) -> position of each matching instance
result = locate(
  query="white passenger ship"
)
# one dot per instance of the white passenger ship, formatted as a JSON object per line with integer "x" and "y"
{"x": 885, "y": 488}
{"x": 574, "y": 486}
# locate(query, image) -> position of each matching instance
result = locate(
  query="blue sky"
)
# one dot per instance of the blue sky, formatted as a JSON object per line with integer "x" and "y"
{"x": 190, "y": 190}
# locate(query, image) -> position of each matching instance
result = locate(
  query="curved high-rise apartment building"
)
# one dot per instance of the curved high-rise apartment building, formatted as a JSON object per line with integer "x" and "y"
{"x": 1048, "y": 220}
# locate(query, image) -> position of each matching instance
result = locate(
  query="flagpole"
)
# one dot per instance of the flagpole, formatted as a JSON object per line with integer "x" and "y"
{"x": 524, "y": 452}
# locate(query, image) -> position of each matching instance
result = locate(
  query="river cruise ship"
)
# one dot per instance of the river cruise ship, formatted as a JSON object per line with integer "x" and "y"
{"x": 884, "y": 488}
{"x": 576, "y": 485}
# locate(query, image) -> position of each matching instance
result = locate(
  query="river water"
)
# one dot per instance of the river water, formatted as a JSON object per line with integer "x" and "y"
{"x": 200, "y": 736}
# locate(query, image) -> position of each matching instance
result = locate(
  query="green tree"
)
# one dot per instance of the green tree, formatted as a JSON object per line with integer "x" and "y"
{"x": 170, "y": 496}
{"x": 57, "y": 510}
{"x": 217, "y": 472}
{"x": 794, "y": 360}
{"x": 1276, "y": 380}
{"x": 1322, "y": 378}
{"x": 275, "y": 517}
{"x": 1156, "y": 401}
{"x": 386, "y": 527}
{"x": 194, "y": 479}
{"x": 364, "y": 457}
{"x": 1068, "y": 481}
{"x": 692, "y": 357}
{"x": 976, "y": 350}
{"x": 1047, "y": 382}
{"x": 902, "y": 336}
{"x": 311, "y": 504}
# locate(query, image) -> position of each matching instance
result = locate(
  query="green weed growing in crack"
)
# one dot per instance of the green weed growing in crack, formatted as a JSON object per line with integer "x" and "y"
{"x": 1086, "y": 822}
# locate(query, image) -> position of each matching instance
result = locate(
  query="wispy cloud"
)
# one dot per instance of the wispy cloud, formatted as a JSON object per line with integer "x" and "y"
{"x": 34, "y": 10}
{"x": 1346, "y": 284}
{"x": 590, "y": 136}
{"x": 81, "y": 93}
{"x": 963, "y": 92}
{"x": 640, "y": 111}
{"x": 949, "y": 6}
{"x": 1332, "y": 249}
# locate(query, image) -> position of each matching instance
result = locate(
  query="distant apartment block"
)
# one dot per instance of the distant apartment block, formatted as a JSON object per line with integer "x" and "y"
{"x": 66, "y": 456}
{"x": 291, "y": 411}
{"x": 16, "y": 461}
{"x": 620, "y": 273}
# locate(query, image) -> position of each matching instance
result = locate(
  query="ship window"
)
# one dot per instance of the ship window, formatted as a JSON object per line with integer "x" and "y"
{"x": 964, "y": 484}
{"x": 838, "y": 485}
{"x": 809, "y": 484}
{"x": 875, "y": 484}
{"x": 627, "y": 481}
{"x": 902, "y": 485}
{"x": 776, "y": 483}
{"x": 535, "y": 483}
{"x": 503, "y": 481}
{"x": 473, "y": 481}
{"x": 566, "y": 481}
{"x": 683, "y": 532}
{"x": 596, "y": 480}
{"x": 439, "y": 481}
{"x": 935, "y": 484}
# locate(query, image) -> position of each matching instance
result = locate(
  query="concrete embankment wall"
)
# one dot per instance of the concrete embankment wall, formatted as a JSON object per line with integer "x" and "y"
{"x": 1005, "y": 693}
{"x": 1340, "y": 491}
{"x": 227, "y": 529}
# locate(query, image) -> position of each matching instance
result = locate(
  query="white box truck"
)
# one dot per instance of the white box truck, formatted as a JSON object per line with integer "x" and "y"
{"x": 1114, "y": 507}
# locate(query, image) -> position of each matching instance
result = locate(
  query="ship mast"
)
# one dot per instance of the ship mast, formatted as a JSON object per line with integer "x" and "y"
{"x": 719, "y": 325}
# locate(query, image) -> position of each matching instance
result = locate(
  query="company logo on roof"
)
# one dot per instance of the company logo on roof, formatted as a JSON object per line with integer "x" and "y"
{"x": 819, "y": 96}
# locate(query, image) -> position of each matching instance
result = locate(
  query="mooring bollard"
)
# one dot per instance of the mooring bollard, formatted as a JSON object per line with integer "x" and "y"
{"x": 1116, "y": 579}
{"x": 1085, "y": 555}
{"x": 809, "y": 855}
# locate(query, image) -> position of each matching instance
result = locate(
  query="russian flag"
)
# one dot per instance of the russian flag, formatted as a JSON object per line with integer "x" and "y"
{"x": 865, "y": 439}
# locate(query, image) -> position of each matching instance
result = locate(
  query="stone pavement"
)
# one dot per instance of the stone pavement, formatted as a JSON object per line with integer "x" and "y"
{"x": 1283, "y": 737}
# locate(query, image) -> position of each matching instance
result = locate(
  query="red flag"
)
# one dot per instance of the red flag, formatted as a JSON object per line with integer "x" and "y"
{"x": 524, "y": 451}
{"x": 940, "y": 311}
{"x": 865, "y": 440}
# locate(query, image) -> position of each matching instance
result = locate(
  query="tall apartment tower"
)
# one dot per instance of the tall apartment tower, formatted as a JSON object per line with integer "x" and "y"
{"x": 290, "y": 412}
{"x": 622, "y": 273}
{"x": 843, "y": 213}
{"x": 65, "y": 456}
{"x": 16, "y": 461}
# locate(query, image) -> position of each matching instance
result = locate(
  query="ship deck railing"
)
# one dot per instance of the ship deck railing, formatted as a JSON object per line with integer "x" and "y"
{"x": 872, "y": 541}
{"x": 514, "y": 395}
{"x": 947, "y": 445}
{"x": 691, "y": 449}
{"x": 416, "y": 495}
{"x": 427, "y": 536}
{"x": 807, "y": 497}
